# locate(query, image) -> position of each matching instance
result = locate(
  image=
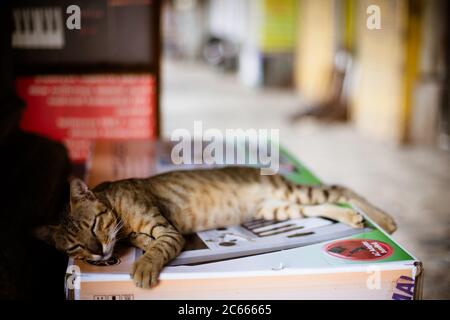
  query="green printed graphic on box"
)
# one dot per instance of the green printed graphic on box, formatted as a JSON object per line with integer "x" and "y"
{"x": 398, "y": 254}
{"x": 371, "y": 246}
{"x": 294, "y": 170}
{"x": 289, "y": 166}
{"x": 367, "y": 247}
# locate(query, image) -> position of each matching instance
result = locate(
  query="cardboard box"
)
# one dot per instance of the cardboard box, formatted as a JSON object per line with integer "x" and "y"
{"x": 310, "y": 272}
{"x": 309, "y": 258}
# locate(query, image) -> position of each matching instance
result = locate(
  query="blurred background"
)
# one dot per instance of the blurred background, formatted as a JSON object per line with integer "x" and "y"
{"x": 365, "y": 108}
{"x": 358, "y": 89}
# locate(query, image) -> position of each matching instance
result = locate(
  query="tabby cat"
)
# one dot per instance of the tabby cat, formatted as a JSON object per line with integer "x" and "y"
{"x": 154, "y": 213}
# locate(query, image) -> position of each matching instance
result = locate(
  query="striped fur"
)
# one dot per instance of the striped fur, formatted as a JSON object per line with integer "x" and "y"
{"x": 154, "y": 213}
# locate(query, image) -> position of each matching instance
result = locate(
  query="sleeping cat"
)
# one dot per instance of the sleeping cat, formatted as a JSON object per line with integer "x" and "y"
{"x": 154, "y": 213}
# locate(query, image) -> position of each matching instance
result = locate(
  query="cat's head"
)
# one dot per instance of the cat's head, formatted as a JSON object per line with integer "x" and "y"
{"x": 88, "y": 231}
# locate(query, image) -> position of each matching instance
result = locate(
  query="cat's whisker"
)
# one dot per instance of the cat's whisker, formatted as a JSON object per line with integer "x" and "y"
{"x": 113, "y": 233}
{"x": 117, "y": 228}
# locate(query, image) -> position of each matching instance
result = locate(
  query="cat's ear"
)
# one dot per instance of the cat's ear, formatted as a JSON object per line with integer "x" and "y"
{"x": 79, "y": 191}
{"x": 46, "y": 233}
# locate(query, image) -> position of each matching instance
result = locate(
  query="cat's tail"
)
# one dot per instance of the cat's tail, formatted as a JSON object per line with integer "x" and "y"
{"x": 380, "y": 217}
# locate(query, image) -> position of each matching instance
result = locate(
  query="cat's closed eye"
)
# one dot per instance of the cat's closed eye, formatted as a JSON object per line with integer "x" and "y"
{"x": 75, "y": 249}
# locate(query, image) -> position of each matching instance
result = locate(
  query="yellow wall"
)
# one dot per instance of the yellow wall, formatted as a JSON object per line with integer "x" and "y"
{"x": 385, "y": 60}
{"x": 278, "y": 23}
{"x": 315, "y": 46}
{"x": 380, "y": 101}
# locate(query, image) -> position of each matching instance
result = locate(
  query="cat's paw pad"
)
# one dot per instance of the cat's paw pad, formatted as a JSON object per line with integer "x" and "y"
{"x": 145, "y": 273}
{"x": 353, "y": 218}
{"x": 358, "y": 221}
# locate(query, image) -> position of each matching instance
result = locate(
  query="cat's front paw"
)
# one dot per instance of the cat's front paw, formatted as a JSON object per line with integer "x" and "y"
{"x": 145, "y": 272}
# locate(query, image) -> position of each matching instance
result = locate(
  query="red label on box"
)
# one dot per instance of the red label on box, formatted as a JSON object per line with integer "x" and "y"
{"x": 78, "y": 109}
{"x": 359, "y": 249}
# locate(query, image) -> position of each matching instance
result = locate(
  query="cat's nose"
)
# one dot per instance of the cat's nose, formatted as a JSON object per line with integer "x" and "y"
{"x": 107, "y": 256}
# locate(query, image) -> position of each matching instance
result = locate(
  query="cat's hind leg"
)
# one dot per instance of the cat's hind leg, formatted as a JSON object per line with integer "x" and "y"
{"x": 342, "y": 214}
{"x": 277, "y": 210}
{"x": 282, "y": 210}
{"x": 380, "y": 217}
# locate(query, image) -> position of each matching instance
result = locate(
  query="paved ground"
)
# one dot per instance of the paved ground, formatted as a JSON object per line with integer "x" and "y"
{"x": 412, "y": 183}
